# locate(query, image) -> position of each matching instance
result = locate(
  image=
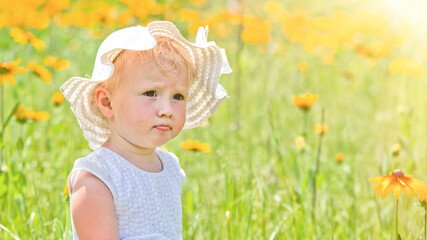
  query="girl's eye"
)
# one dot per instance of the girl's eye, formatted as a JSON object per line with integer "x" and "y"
{"x": 178, "y": 97}
{"x": 150, "y": 94}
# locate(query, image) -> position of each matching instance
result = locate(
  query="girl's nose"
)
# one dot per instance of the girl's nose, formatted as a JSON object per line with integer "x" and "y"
{"x": 165, "y": 108}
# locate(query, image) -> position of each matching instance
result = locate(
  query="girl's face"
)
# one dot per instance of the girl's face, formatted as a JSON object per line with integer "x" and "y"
{"x": 148, "y": 105}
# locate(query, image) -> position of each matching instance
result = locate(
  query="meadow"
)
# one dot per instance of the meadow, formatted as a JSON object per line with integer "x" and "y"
{"x": 271, "y": 147}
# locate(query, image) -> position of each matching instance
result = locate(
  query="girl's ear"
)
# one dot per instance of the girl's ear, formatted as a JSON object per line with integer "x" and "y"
{"x": 103, "y": 99}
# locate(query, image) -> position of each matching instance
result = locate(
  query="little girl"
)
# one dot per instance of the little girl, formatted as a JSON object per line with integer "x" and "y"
{"x": 148, "y": 83}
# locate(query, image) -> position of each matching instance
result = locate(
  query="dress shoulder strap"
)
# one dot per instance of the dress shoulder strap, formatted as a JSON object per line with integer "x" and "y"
{"x": 97, "y": 164}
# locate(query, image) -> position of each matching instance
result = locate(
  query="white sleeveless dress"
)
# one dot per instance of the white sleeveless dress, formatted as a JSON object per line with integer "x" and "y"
{"x": 148, "y": 205}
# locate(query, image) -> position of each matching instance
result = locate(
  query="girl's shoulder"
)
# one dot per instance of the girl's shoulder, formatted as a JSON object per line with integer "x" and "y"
{"x": 97, "y": 164}
{"x": 172, "y": 160}
{"x": 167, "y": 156}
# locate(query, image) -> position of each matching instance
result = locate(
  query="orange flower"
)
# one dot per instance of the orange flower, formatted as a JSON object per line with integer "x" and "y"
{"x": 142, "y": 9}
{"x": 53, "y": 7}
{"x": 339, "y": 157}
{"x": 56, "y": 63}
{"x": 198, "y": 2}
{"x": 396, "y": 182}
{"x": 305, "y": 101}
{"x": 275, "y": 10}
{"x": 57, "y": 98}
{"x": 256, "y": 31}
{"x": 19, "y": 35}
{"x": 422, "y": 197}
{"x": 8, "y": 69}
{"x": 38, "y": 116}
{"x": 22, "y": 37}
{"x": 188, "y": 15}
{"x": 321, "y": 129}
{"x": 196, "y": 146}
{"x": 40, "y": 71}
{"x": 22, "y": 115}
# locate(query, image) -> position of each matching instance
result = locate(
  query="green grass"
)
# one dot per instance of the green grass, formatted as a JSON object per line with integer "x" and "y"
{"x": 255, "y": 170}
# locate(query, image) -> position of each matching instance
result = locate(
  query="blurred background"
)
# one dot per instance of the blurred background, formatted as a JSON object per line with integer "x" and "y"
{"x": 268, "y": 164}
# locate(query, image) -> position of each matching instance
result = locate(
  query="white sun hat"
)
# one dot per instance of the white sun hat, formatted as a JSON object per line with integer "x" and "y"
{"x": 205, "y": 93}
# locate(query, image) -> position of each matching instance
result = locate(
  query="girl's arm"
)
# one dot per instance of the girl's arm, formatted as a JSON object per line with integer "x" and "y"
{"x": 92, "y": 207}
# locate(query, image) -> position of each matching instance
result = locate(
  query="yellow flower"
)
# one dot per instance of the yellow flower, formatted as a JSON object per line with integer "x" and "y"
{"x": 37, "y": 43}
{"x": 198, "y": 2}
{"x": 142, "y": 9}
{"x": 66, "y": 190}
{"x": 124, "y": 18}
{"x": 8, "y": 69}
{"x": 396, "y": 182}
{"x": 374, "y": 51}
{"x": 53, "y": 7}
{"x": 23, "y": 37}
{"x": 37, "y": 116}
{"x": 19, "y": 35}
{"x": 56, "y": 63}
{"x": 196, "y": 146}
{"x": 339, "y": 157}
{"x": 422, "y": 197}
{"x": 22, "y": 115}
{"x": 256, "y": 31}
{"x": 299, "y": 141}
{"x": 305, "y": 101}
{"x": 321, "y": 128}
{"x": 40, "y": 71}
{"x": 188, "y": 15}
{"x": 275, "y": 10}
{"x": 395, "y": 149}
{"x": 297, "y": 26}
{"x": 303, "y": 67}
{"x": 57, "y": 98}
{"x": 406, "y": 67}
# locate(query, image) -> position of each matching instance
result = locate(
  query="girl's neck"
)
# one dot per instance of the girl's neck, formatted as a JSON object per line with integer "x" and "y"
{"x": 131, "y": 152}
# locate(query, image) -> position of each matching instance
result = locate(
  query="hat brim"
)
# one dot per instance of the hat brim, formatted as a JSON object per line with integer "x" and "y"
{"x": 79, "y": 92}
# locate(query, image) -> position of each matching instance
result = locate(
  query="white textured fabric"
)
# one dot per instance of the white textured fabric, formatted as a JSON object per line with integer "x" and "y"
{"x": 148, "y": 205}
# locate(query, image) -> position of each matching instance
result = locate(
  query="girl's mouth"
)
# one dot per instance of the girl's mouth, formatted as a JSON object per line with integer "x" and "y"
{"x": 162, "y": 128}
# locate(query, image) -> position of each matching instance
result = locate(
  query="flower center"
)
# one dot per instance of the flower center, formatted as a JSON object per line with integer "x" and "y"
{"x": 398, "y": 173}
{"x": 4, "y": 71}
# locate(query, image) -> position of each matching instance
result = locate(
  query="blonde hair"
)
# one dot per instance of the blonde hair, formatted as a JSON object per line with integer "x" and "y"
{"x": 169, "y": 56}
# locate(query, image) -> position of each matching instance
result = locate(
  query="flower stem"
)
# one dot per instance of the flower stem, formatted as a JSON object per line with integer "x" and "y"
{"x": 316, "y": 171}
{"x": 2, "y": 123}
{"x": 397, "y": 219}
{"x": 305, "y": 131}
{"x": 425, "y": 226}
